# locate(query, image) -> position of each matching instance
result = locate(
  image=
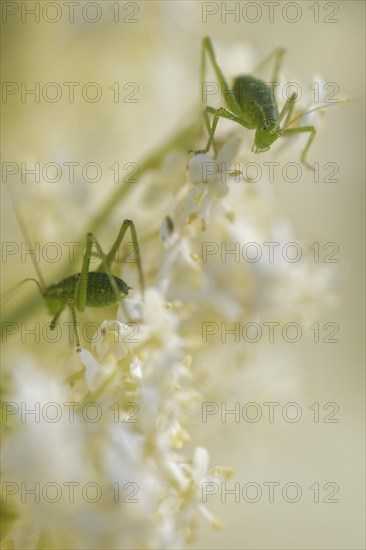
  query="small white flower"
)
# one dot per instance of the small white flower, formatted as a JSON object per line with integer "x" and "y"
{"x": 108, "y": 348}
{"x": 210, "y": 178}
{"x": 187, "y": 496}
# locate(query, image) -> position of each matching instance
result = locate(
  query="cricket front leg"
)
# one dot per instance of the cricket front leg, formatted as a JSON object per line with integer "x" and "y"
{"x": 287, "y": 109}
{"x": 309, "y": 129}
{"x": 218, "y": 113}
{"x": 70, "y": 303}
{"x": 82, "y": 284}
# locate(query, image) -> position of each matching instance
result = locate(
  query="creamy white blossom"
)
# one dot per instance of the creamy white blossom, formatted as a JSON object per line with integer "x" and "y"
{"x": 130, "y": 405}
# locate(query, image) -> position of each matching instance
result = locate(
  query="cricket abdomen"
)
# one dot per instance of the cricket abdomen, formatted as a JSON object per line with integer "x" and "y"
{"x": 255, "y": 100}
{"x": 100, "y": 292}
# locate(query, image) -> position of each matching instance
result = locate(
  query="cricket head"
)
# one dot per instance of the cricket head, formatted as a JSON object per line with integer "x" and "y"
{"x": 265, "y": 135}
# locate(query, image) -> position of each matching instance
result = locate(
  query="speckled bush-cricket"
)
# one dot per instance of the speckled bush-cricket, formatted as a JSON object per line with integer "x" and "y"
{"x": 98, "y": 288}
{"x": 252, "y": 104}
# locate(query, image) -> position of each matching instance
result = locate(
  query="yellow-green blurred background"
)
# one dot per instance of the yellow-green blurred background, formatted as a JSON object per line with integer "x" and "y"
{"x": 161, "y": 53}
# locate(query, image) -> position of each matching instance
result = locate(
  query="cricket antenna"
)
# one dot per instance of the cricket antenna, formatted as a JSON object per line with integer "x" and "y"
{"x": 41, "y": 283}
{"x": 9, "y": 293}
{"x": 320, "y": 108}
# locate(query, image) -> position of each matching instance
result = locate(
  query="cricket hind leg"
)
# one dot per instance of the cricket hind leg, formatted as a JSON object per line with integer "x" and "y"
{"x": 110, "y": 257}
{"x": 106, "y": 262}
{"x": 225, "y": 89}
{"x": 80, "y": 297}
{"x": 207, "y": 50}
{"x": 277, "y": 55}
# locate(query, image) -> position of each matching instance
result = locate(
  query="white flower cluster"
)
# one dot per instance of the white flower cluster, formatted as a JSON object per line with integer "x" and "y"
{"x": 121, "y": 465}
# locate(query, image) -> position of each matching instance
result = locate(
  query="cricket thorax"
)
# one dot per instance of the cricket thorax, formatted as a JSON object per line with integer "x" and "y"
{"x": 256, "y": 101}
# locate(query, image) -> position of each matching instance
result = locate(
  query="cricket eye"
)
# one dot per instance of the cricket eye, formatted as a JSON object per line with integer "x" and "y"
{"x": 265, "y": 126}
